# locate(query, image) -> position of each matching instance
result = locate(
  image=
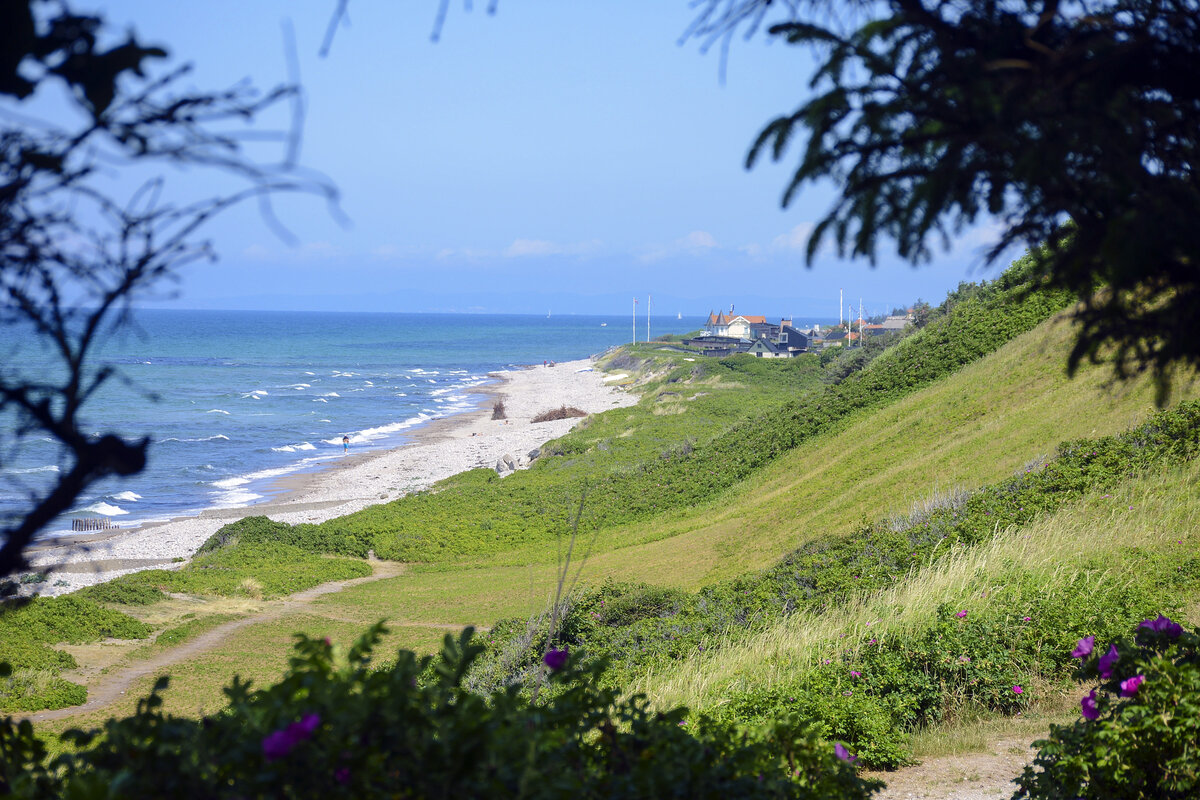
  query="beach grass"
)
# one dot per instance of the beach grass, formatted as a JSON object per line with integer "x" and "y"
{"x": 1152, "y": 514}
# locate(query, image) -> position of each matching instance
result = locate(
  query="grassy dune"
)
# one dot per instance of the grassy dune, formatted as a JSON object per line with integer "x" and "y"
{"x": 978, "y": 426}
{"x": 1104, "y": 539}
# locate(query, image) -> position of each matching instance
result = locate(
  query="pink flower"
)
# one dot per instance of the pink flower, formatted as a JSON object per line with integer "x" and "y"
{"x": 278, "y": 744}
{"x": 854, "y": 674}
{"x": 1027, "y": 619}
{"x": 1088, "y": 705}
{"x": 1163, "y": 625}
{"x": 1107, "y": 660}
{"x": 556, "y": 659}
{"x": 1129, "y": 686}
{"x": 841, "y": 752}
{"x": 1083, "y": 648}
{"x": 961, "y": 614}
{"x": 1018, "y": 690}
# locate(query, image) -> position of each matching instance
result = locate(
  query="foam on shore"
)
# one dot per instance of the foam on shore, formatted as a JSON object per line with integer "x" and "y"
{"x": 440, "y": 448}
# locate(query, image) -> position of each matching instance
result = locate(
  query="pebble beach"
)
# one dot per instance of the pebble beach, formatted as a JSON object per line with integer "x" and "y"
{"x": 436, "y": 451}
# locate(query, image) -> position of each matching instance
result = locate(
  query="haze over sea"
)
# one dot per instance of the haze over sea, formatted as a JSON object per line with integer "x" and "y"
{"x": 232, "y": 400}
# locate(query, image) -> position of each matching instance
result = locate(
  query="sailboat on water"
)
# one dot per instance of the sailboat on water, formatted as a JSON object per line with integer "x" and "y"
{"x": 679, "y": 315}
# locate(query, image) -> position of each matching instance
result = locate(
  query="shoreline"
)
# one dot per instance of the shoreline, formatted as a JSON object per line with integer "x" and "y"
{"x": 437, "y": 450}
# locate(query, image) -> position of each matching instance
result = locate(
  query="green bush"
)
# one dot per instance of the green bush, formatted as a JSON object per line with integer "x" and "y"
{"x": 28, "y": 632}
{"x": 1140, "y": 725}
{"x": 334, "y": 727}
{"x": 37, "y": 690}
{"x": 120, "y": 593}
{"x": 310, "y": 538}
{"x": 70, "y": 619}
{"x": 253, "y": 568}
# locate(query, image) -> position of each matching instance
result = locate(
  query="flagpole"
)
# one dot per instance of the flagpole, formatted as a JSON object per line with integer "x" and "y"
{"x": 647, "y": 319}
{"x": 635, "y": 320}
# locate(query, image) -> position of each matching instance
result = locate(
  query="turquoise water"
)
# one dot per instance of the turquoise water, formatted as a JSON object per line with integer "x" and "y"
{"x": 232, "y": 400}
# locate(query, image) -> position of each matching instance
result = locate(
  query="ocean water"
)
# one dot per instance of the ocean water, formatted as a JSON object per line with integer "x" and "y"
{"x": 232, "y": 400}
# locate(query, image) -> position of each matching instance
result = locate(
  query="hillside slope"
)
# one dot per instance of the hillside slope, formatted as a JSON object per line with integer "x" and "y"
{"x": 978, "y": 426}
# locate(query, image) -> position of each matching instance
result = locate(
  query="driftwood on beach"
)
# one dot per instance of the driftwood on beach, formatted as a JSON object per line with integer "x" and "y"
{"x": 93, "y": 524}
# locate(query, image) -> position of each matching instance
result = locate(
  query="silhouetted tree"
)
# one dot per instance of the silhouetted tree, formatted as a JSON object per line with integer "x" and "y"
{"x": 72, "y": 255}
{"x": 1075, "y": 123}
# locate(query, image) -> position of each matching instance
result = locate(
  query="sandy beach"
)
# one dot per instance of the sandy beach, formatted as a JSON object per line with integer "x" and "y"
{"x": 440, "y": 449}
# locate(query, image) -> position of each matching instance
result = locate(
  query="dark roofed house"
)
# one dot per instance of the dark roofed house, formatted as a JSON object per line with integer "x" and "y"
{"x": 765, "y": 348}
{"x": 796, "y": 341}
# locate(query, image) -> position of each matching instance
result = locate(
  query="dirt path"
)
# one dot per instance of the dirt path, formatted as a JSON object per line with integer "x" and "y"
{"x": 973, "y": 776}
{"x": 113, "y": 685}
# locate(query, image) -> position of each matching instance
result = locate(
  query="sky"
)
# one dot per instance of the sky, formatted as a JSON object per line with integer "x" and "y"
{"x": 554, "y": 156}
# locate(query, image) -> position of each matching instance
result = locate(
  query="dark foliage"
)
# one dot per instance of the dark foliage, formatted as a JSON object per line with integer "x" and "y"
{"x": 340, "y": 727}
{"x": 1076, "y": 125}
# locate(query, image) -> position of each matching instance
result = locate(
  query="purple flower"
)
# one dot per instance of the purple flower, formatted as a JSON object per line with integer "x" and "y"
{"x": 342, "y": 775}
{"x": 1129, "y": 686}
{"x": 1107, "y": 660}
{"x": 1018, "y": 690}
{"x": 1163, "y": 625}
{"x": 841, "y": 752}
{"x": 961, "y": 614}
{"x": 1083, "y": 648}
{"x": 854, "y": 674}
{"x": 1027, "y": 619}
{"x": 1088, "y": 704}
{"x": 556, "y": 659}
{"x": 278, "y": 744}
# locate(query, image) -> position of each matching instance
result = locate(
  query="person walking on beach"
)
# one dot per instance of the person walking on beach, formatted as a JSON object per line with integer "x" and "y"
{"x": 346, "y": 445}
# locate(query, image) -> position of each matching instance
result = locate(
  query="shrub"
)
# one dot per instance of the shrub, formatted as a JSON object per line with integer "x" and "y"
{"x": 1140, "y": 725}
{"x": 498, "y": 411}
{"x": 121, "y": 593}
{"x": 337, "y": 727}
{"x": 252, "y": 568}
{"x": 329, "y": 538}
{"x": 562, "y": 412}
{"x": 37, "y": 690}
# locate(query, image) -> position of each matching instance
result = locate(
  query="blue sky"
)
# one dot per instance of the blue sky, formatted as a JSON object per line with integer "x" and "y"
{"x": 556, "y": 155}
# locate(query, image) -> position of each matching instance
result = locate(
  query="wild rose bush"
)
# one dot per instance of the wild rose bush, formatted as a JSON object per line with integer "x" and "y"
{"x": 1140, "y": 722}
{"x": 336, "y": 727}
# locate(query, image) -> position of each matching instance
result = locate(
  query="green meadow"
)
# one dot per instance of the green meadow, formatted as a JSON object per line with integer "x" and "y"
{"x": 884, "y": 541}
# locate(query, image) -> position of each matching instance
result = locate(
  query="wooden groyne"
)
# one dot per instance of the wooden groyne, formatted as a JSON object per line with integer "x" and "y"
{"x": 93, "y": 524}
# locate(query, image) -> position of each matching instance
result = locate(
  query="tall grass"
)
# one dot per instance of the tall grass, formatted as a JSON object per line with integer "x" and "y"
{"x": 1154, "y": 514}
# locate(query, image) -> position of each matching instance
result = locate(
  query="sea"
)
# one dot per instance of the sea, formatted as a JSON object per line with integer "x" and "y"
{"x": 233, "y": 400}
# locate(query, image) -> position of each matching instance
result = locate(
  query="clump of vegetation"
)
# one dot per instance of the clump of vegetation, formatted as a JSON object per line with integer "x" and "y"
{"x": 122, "y": 594}
{"x": 498, "y": 411}
{"x": 1139, "y": 723}
{"x": 337, "y": 726}
{"x": 562, "y": 412}
{"x": 28, "y": 634}
{"x": 250, "y": 568}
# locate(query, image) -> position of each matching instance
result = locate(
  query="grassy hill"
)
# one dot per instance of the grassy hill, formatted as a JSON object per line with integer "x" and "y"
{"x": 888, "y": 454}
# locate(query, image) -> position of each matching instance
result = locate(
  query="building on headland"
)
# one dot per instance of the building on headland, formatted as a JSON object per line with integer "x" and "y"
{"x": 727, "y": 334}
